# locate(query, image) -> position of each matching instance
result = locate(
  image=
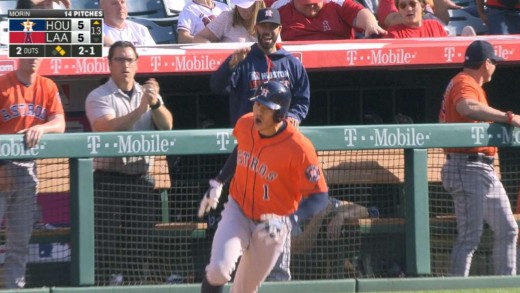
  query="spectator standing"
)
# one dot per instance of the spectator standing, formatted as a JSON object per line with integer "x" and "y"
{"x": 257, "y": 219}
{"x": 124, "y": 197}
{"x": 468, "y": 174}
{"x": 502, "y": 17}
{"x": 195, "y": 16}
{"x": 30, "y": 105}
{"x": 247, "y": 68}
{"x": 236, "y": 25}
{"x": 414, "y": 26}
{"x": 116, "y": 27}
{"x": 325, "y": 20}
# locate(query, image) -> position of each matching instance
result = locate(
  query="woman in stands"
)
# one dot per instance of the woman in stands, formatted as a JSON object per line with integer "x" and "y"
{"x": 195, "y": 16}
{"x": 236, "y": 25}
{"x": 414, "y": 25}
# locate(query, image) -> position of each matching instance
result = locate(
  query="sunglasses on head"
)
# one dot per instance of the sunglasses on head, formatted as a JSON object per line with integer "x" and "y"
{"x": 403, "y": 5}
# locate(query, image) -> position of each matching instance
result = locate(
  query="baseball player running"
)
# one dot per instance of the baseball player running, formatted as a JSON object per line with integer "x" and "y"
{"x": 275, "y": 167}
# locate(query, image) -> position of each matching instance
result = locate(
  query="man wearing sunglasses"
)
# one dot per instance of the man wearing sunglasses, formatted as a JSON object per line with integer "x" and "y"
{"x": 125, "y": 204}
{"x": 469, "y": 175}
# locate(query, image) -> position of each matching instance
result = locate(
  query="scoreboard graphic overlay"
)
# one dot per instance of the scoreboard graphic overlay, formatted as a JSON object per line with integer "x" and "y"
{"x": 55, "y": 33}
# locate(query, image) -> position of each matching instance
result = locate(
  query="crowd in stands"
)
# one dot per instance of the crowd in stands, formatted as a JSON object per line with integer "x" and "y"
{"x": 210, "y": 21}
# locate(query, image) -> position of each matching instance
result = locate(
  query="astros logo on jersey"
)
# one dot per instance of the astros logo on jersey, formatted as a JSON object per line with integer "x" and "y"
{"x": 313, "y": 173}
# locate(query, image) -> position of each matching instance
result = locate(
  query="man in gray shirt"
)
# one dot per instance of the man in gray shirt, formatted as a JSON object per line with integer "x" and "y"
{"x": 124, "y": 196}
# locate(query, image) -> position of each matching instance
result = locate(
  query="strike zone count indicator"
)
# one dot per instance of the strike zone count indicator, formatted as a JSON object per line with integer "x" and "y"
{"x": 55, "y": 33}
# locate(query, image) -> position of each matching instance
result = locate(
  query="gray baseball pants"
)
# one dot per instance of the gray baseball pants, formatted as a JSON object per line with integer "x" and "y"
{"x": 17, "y": 206}
{"x": 479, "y": 197}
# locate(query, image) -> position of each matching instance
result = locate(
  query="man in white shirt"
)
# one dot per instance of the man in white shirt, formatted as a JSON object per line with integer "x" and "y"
{"x": 117, "y": 28}
{"x": 195, "y": 16}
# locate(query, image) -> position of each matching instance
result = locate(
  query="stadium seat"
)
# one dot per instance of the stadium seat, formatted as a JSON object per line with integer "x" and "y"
{"x": 85, "y": 4}
{"x": 174, "y": 7}
{"x": 6, "y": 5}
{"x": 147, "y": 9}
{"x": 459, "y": 18}
{"x": 162, "y": 30}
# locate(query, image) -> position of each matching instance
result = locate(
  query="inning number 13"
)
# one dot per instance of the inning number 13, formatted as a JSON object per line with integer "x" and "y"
{"x": 266, "y": 192}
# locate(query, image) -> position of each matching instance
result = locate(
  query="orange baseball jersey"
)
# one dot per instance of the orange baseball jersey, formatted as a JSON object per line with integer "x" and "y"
{"x": 24, "y": 106}
{"x": 273, "y": 174}
{"x": 463, "y": 86}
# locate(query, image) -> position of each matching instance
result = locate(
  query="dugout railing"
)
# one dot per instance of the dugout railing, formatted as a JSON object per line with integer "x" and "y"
{"x": 415, "y": 149}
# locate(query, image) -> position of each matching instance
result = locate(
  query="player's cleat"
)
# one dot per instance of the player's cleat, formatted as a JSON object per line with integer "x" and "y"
{"x": 116, "y": 280}
{"x": 20, "y": 283}
{"x": 174, "y": 279}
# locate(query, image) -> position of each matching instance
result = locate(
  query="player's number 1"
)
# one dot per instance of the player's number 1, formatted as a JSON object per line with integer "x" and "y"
{"x": 266, "y": 192}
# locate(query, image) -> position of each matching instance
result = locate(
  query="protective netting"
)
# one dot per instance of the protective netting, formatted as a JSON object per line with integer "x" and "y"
{"x": 147, "y": 232}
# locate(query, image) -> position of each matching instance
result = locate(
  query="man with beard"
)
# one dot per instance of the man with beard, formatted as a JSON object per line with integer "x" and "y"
{"x": 245, "y": 71}
{"x": 248, "y": 68}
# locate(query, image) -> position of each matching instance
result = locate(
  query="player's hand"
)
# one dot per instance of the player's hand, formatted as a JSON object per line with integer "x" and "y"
{"x": 211, "y": 197}
{"x": 32, "y": 135}
{"x": 151, "y": 91}
{"x": 238, "y": 56}
{"x": 294, "y": 122}
{"x": 272, "y": 226}
{"x": 334, "y": 227}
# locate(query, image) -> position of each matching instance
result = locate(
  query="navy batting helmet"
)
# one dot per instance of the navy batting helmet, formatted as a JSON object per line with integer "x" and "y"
{"x": 274, "y": 96}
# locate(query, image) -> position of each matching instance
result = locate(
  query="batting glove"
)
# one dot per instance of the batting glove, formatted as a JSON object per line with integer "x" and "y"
{"x": 273, "y": 225}
{"x": 211, "y": 197}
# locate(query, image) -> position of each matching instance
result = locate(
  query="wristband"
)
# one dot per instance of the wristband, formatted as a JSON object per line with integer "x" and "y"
{"x": 510, "y": 116}
{"x": 156, "y": 105}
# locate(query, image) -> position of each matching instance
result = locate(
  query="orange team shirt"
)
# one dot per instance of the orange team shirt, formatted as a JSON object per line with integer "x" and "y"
{"x": 430, "y": 28}
{"x": 273, "y": 174}
{"x": 463, "y": 86}
{"x": 22, "y": 107}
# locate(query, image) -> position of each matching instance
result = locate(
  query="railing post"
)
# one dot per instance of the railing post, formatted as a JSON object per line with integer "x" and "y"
{"x": 82, "y": 221}
{"x": 417, "y": 212}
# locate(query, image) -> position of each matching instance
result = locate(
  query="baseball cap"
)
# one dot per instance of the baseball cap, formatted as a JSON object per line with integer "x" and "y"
{"x": 268, "y": 15}
{"x": 478, "y": 51}
{"x": 243, "y": 3}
